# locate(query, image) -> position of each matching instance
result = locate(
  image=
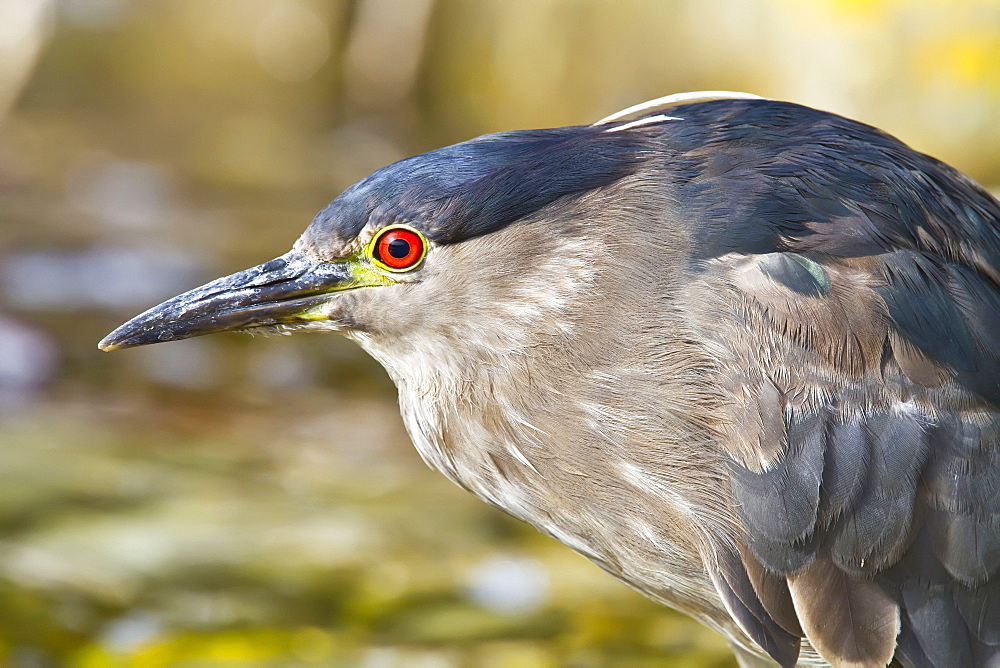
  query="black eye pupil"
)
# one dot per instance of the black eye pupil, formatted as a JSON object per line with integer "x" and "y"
{"x": 398, "y": 248}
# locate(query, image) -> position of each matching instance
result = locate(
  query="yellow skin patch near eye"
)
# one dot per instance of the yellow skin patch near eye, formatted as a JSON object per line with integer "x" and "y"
{"x": 366, "y": 271}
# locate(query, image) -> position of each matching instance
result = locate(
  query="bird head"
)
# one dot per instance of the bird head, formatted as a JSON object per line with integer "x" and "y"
{"x": 431, "y": 245}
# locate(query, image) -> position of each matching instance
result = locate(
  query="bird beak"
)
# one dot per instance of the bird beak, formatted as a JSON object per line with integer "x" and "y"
{"x": 284, "y": 291}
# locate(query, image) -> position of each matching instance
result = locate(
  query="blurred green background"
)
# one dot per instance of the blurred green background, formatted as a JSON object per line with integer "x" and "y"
{"x": 238, "y": 501}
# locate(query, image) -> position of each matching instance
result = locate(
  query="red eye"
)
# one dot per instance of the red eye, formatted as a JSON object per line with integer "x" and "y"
{"x": 399, "y": 248}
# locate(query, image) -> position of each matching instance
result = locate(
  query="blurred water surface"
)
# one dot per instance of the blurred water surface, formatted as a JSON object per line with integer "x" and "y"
{"x": 255, "y": 501}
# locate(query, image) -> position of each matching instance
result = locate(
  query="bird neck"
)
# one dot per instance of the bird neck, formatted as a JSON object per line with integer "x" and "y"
{"x": 590, "y": 422}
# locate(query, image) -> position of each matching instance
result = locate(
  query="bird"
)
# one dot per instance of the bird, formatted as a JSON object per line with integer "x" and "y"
{"x": 741, "y": 353}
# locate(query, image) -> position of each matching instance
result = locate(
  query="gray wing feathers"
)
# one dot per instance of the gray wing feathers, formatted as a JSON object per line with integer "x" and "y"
{"x": 937, "y": 624}
{"x": 780, "y": 503}
{"x": 856, "y": 327}
{"x": 741, "y": 598}
{"x": 772, "y": 590}
{"x": 980, "y": 607}
{"x": 857, "y": 470}
{"x": 872, "y": 533}
{"x": 902, "y": 533}
{"x": 963, "y": 482}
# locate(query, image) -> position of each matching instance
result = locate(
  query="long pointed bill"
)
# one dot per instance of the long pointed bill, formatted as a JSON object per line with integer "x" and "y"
{"x": 284, "y": 291}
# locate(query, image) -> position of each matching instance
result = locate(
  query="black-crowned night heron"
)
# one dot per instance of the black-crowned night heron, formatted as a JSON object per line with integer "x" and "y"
{"x": 743, "y": 354}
